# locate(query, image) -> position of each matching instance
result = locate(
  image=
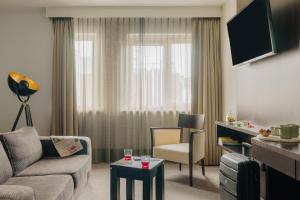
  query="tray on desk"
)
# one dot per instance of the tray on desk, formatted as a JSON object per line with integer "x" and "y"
{"x": 273, "y": 138}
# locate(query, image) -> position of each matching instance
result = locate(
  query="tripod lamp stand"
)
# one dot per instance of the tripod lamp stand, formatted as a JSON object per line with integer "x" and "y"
{"x": 23, "y": 87}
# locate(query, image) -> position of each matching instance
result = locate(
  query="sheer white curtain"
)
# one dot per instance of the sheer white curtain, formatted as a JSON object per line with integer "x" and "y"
{"x": 132, "y": 74}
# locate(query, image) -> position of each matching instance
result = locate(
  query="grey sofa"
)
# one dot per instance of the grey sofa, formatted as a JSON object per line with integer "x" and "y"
{"x": 48, "y": 178}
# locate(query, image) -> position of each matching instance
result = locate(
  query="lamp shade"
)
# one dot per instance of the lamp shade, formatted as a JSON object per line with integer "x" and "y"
{"x": 21, "y": 84}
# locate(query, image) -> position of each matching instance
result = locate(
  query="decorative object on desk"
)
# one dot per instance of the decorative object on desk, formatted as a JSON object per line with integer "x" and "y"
{"x": 250, "y": 125}
{"x": 230, "y": 117}
{"x": 127, "y": 154}
{"x": 238, "y": 124}
{"x": 273, "y": 138}
{"x": 289, "y": 131}
{"x": 228, "y": 141}
{"x": 265, "y": 132}
{"x": 145, "y": 161}
{"x": 295, "y": 130}
{"x": 66, "y": 146}
{"x": 23, "y": 87}
{"x": 275, "y": 131}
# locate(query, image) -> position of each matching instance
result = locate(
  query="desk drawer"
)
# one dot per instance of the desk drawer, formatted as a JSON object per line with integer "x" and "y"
{"x": 275, "y": 160}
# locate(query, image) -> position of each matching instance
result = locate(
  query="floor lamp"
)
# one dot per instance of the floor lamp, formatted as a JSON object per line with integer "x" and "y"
{"x": 23, "y": 87}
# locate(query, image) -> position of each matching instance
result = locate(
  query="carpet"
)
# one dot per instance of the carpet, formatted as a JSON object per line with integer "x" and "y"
{"x": 176, "y": 184}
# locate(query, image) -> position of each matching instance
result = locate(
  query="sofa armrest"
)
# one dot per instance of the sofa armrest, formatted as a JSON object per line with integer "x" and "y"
{"x": 50, "y": 151}
{"x": 16, "y": 192}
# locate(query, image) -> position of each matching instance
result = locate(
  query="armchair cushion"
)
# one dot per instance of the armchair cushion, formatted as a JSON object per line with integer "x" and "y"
{"x": 180, "y": 152}
{"x": 173, "y": 152}
{"x": 24, "y": 147}
{"x": 16, "y": 192}
{"x": 163, "y": 136}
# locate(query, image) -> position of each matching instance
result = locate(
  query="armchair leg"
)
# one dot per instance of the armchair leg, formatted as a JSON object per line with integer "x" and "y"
{"x": 203, "y": 167}
{"x": 179, "y": 166}
{"x": 191, "y": 173}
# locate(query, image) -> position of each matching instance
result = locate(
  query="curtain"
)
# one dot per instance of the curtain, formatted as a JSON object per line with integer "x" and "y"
{"x": 207, "y": 81}
{"x": 64, "y": 110}
{"x": 132, "y": 74}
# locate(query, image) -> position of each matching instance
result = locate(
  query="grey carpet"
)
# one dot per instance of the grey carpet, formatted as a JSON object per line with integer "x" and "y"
{"x": 176, "y": 184}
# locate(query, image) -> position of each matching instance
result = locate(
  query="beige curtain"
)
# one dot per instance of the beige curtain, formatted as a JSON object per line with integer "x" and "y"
{"x": 207, "y": 81}
{"x": 64, "y": 112}
{"x": 132, "y": 74}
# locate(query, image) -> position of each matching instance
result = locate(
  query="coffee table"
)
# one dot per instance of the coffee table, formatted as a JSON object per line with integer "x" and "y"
{"x": 131, "y": 171}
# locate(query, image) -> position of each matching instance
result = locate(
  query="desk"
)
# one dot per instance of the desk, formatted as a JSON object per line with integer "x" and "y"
{"x": 280, "y": 162}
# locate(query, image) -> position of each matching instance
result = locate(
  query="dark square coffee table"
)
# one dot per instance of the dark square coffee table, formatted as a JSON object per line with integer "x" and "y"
{"x": 132, "y": 170}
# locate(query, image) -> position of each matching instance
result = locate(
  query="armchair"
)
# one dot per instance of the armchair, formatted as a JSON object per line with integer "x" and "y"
{"x": 167, "y": 143}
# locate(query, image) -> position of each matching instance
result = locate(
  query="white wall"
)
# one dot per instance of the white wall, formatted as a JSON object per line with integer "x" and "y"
{"x": 26, "y": 46}
{"x": 229, "y": 75}
{"x": 266, "y": 92}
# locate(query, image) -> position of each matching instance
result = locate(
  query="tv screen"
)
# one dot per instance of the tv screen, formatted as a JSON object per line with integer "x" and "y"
{"x": 250, "y": 33}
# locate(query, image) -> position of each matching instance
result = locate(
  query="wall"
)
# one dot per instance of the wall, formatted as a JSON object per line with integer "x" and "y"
{"x": 26, "y": 47}
{"x": 266, "y": 92}
{"x": 229, "y": 75}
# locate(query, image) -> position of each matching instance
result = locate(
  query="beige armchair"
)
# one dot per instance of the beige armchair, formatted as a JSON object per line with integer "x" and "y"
{"x": 167, "y": 143}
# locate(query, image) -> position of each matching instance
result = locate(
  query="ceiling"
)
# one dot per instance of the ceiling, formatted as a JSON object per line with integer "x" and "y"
{"x": 68, "y": 3}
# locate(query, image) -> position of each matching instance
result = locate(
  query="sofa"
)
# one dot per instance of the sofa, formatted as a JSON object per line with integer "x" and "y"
{"x": 31, "y": 169}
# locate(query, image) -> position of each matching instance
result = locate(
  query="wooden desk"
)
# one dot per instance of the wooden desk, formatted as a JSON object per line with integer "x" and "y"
{"x": 280, "y": 162}
{"x": 241, "y": 134}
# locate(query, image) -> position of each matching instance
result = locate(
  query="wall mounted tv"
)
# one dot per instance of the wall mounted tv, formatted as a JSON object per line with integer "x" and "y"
{"x": 250, "y": 33}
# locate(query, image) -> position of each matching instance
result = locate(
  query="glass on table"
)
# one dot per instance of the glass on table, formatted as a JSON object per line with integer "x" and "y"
{"x": 145, "y": 160}
{"x": 127, "y": 154}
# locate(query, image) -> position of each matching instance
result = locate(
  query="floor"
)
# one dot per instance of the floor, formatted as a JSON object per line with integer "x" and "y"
{"x": 176, "y": 183}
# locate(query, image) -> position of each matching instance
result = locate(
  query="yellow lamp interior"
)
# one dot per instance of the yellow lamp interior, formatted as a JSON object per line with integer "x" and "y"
{"x": 17, "y": 77}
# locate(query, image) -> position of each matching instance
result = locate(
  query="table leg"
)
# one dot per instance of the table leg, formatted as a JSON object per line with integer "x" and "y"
{"x": 160, "y": 183}
{"x": 129, "y": 189}
{"x": 114, "y": 185}
{"x": 147, "y": 188}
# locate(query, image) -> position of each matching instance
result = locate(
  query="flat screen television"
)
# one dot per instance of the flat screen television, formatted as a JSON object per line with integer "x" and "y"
{"x": 250, "y": 33}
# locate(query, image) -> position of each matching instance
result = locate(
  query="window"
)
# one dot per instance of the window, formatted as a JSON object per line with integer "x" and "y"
{"x": 155, "y": 72}
{"x": 161, "y": 73}
{"x": 84, "y": 61}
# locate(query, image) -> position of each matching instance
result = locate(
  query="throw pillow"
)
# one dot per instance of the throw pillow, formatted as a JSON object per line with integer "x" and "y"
{"x": 5, "y": 167}
{"x": 24, "y": 148}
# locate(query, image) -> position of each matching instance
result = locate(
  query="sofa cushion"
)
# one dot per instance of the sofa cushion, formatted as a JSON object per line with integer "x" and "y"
{"x": 76, "y": 166}
{"x": 24, "y": 147}
{"x": 16, "y": 192}
{"x": 53, "y": 187}
{"x": 5, "y": 167}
